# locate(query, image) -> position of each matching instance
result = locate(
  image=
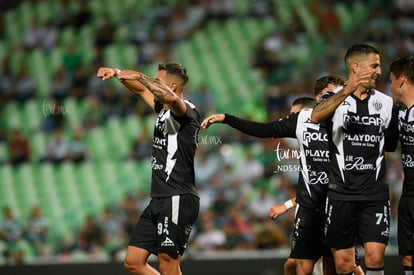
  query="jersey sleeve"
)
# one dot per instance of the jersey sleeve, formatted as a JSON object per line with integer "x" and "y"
{"x": 191, "y": 113}
{"x": 285, "y": 127}
{"x": 391, "y": 133}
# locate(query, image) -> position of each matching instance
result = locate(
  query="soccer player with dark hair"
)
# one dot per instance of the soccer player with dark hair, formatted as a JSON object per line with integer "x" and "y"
{"x": 165, "y": 225}
{"x": 358, "y": 207}
{"x": 308, "y": 236}
{"x": 402, "y": 88}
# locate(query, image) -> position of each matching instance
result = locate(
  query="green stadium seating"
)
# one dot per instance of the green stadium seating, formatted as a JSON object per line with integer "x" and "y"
{"x": 283, "y": 12}
{"x": 218, "y": 55}
{"x": 132, "y": 125}
{"x": 54, "y": 60}
{"x": 8, "y": 193}
{"x": 117, "y": 141}
{"x": 345, "y": 17}
{"x": 37, "y": 60}
{"x": 74, "y": 112}
{"x": 85, "y": 37}
{"x": 112, "y": 55}
{"x": 97, "y": 144}
{"x": 25, "y": 15}
{"x": 13, "y": 30}
{"x": 66, "y": 37}
{"x": 42, "y": 11}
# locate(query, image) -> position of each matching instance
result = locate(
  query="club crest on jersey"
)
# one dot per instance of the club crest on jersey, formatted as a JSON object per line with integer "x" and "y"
{"x": 377, "y": 105}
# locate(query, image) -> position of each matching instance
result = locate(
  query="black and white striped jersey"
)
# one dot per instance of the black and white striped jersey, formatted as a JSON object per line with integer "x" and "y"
{"x": 314, "y": 153}
{"x": 406, "y": 137}
{"x": 173, "y": 149}
{"x": 356, "y": 133}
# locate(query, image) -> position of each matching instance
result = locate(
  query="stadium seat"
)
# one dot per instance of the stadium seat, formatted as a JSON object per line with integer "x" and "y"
{"x": 119, "y": 145}
{"x": 85, "y": 37}
{"x": 41, "y": 185}
{"x": 15, "y": 120}
{"x": 25, "y": 187}
{"x": 187, "y": 52}
{"x": 3, "y": 51}
{"x": 66, "y": 37}
{"x": 47, "y": 180}
{"x": 97, "y": 143}
{"x": 132, "y": 125}
{"x": 74, "y": 112}
{"x": 33, "y": 113}
{"x": 43, "y": 11}
{"x": 345, "y": 17}
{"x": 7, "y": 189}
{"x": 112, "y": 56}
{"x": 306, "y": 17}
{"x": 37, "y": 60}
{"x": 13, "y": 31}
{"x": 283, "y": 12}
{"x": 16, "y": 59}
{"x": 88, "y": 185}
{"x": 25, "y": 15}
{"x": 129, "y": 56}
{"x": 54, "y": 60}
{"x": 106, "y": 178}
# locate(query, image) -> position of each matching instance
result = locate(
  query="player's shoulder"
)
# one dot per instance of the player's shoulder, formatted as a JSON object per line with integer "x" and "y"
{"x": 305, "y": 114}
{"x": 192, "y": 110}
{"x": 382, "y": 101}
{"x": 381, "y": 95}
{"x": 305, "y": 117}
{"x": 190, "y": 104}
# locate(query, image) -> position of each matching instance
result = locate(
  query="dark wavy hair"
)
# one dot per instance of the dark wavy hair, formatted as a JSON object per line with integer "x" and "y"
{"x": 324, "y": 81}
{"x": 403, "y": 66}
{"x": 175, "y": 69}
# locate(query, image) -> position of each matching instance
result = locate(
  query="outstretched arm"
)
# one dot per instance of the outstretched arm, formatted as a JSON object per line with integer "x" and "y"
{"x": 215, "y": 118}
{"x": 280, "y": 209}
{"x": 132, "y": 84}
{"x": 327, "y": 107}
{"x": 150, "y": 89}
{"x": 282, "y": 128}
{"x": 159, "y": 90}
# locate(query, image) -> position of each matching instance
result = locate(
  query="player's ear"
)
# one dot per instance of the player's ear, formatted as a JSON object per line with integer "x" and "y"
{"x": 402, "y": 80}
{"x": 355, "y": 67}
{"x": 173, "y": 86}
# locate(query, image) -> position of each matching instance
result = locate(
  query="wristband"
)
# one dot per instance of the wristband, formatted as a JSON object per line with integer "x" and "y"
{"x": 289, "y": 204}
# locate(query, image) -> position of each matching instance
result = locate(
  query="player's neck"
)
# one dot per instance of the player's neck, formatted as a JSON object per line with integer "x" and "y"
{"x": 361, "y": 93}
{"x": 409, "y": 102}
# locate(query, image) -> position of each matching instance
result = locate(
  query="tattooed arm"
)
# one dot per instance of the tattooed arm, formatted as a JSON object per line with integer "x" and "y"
{"x": 131, "y": 83}
{"x": 161, "y": 92}
{"x": 327, "y": 107}
{"x": 150, "y": 89}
